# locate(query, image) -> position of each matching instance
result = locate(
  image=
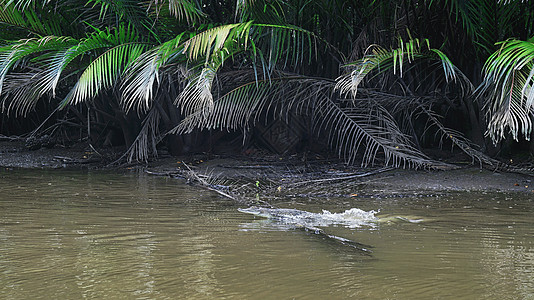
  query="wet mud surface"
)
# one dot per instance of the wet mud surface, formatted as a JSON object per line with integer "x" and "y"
{"x": 14, "y": 154}
{"x": 274, "y": 175}
{"x": 322, "y": 179}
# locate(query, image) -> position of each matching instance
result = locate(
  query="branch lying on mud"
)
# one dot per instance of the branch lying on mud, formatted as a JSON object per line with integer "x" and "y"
{"x": 10, "y": 138}
{"x": 193, "y": 176}
{"x": 208, "y": 186}
{"x": 381, "y": 170}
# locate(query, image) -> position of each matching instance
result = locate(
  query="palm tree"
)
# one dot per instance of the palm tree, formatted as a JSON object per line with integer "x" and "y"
{"x": 75, "y": 52}
{"x": 363, "y": 73}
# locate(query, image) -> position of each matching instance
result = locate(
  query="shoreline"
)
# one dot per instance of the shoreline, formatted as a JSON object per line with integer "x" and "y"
{"x": 269, "y": 174}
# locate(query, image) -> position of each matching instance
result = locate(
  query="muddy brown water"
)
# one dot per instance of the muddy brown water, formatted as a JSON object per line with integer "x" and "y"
{"x": 97, "y": 235}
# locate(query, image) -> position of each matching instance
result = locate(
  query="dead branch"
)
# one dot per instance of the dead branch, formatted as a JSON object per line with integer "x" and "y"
{"x": 381, "y": 170}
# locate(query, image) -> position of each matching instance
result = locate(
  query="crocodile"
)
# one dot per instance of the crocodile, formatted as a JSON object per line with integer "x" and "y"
{"x": 307, "y": 221}
{"x": 276, "y": 213}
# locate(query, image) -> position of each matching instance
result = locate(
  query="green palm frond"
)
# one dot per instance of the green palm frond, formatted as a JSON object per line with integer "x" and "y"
{"x": 465, "y": 12}
{"x": 489, "y": 21}
{"x": 55, "y": 54}
{"x": 283, "y": 46}
{"x": 232, "y": 40}
{"x": 41, "y": 22}
{"x": 508, "y": 85}
{"x": 181, "y": 9}
{"x": 271, "y": 12}
{"x": 24, "y": 4}
{"x": 103, "y": 72}
{"x": 218, "y": 42}
{"x": 141, "y": 77}
{"x": 16, "y": 54}
{"x": 382, "y": 60}
{"x": 98, "y": 40}
{"x": 207, "y": 51}
{"x": 216, "y": 39}
{"x": 118, "y": 11}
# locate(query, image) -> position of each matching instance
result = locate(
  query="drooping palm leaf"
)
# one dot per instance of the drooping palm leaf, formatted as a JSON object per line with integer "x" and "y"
{"x": 242, "y": 106}
{"x": 55, "y": 54}
{"x": 17, "y": 87}
{"x": 197, "y": 94}
{"x": 351, "y": 129}
{"x": 142, "y": 76}
{"x": 508, "y": 85}
{"x": 181, "y": 9}
{"x": 103, "y": 72}
{"x": 458, "y": 139}
{"x": 140, "y": 80}
{"x": 145, "y": 143}
{"x": 407, "y": 109}
{"x": 207, "y": 51}
{"x": 215, "y": 39}
{"x": 382, "y": 60}
{"x": 32, "y": 20}
{"x": 375, "y": 131}
{"x": 14, "y": 54}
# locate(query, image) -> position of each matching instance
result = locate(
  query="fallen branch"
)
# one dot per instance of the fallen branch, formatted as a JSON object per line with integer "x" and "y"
{"x": 208, "y": 186}
{"x": 344, "y": 177}
{"x": 10, "y": 138}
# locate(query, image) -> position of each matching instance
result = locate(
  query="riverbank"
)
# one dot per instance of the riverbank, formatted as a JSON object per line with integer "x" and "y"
{"x": 295, "y": 176}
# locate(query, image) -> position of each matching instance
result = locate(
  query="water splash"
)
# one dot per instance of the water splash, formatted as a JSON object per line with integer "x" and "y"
{"x": 351, "y": 218}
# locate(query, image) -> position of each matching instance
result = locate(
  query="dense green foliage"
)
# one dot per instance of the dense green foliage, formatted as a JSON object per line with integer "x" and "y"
{"x": 375, "y": 77}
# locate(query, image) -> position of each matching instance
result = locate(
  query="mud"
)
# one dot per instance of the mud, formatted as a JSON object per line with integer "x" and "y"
{"x": 14, "y": 154}
{"x": 295, "y": 176}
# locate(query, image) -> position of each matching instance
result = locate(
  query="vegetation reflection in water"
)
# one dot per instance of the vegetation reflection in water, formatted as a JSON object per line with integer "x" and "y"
{"x": 72, "y": 235}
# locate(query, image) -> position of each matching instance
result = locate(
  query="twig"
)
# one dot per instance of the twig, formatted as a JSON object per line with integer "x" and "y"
{"x": 42, "y": 124}
{"x": 10, "y": 138}
{"x": 90, "y": 145}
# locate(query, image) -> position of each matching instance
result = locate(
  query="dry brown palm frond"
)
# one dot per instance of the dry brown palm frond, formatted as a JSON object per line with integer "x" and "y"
{"x": 458, "y": 139}
{"x": 377, "y": 131}
{"x": 144, "y": 146}
{"x": 351, "y": 129}
{"x": 197, "y": 93}
{"x": 242, "y": 107}
{"x": 409, "y": 108}
{"x": 21, "y": 92}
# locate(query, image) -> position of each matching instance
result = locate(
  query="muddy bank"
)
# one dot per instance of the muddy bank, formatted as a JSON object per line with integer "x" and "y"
{"x": 272, "y": 175}
{"x": 321, "y": 179}
{"x": 14, "y": 154}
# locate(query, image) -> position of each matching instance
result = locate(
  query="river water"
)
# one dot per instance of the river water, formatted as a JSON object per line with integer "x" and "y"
{"x": 97, "y": 235}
